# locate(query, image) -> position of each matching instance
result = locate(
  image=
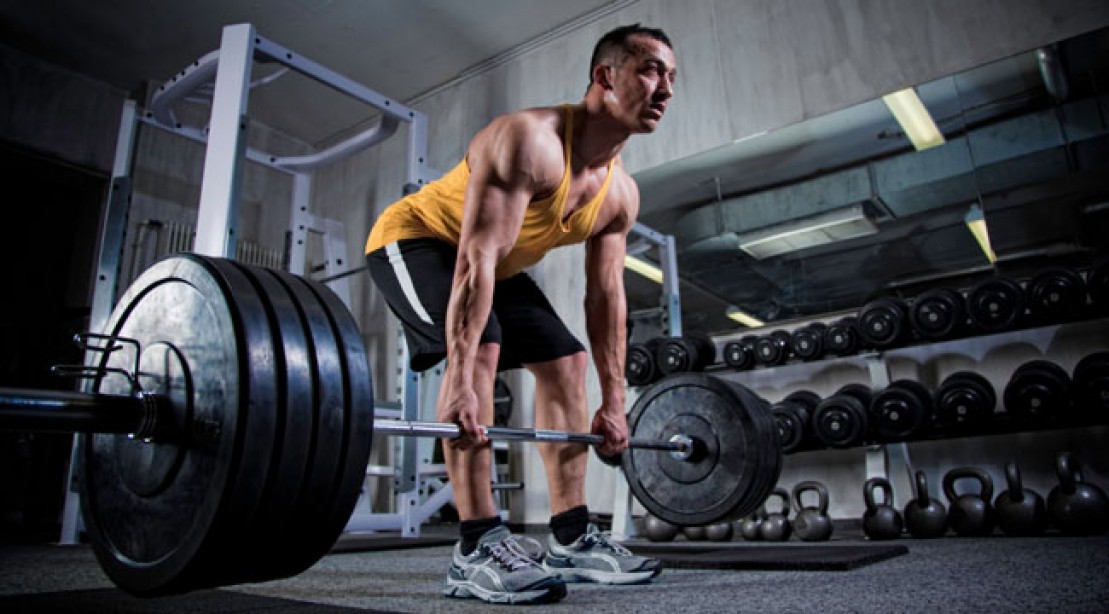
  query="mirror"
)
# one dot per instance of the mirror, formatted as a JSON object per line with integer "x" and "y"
{"x": 818, "y": 217}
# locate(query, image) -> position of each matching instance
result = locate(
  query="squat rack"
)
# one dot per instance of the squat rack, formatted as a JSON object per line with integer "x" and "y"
{"x": 225, "y": 139}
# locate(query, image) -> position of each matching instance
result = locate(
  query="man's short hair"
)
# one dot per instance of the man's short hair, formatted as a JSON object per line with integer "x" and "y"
{"x": 614, "y": 45}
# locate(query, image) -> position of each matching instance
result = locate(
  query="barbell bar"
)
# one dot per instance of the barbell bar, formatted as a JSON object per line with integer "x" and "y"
{"x": 226, "y": 421}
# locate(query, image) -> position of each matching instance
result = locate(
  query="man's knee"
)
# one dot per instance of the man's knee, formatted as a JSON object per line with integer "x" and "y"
{"x": 567, "y": 372}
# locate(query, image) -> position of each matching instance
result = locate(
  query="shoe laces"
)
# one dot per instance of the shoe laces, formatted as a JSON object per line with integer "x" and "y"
{"x": 604, "y": 540}
{"x": 509, "y": 554}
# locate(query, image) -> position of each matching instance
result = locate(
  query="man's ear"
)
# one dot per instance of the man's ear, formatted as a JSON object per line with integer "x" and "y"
{"x": 603, "y": 75}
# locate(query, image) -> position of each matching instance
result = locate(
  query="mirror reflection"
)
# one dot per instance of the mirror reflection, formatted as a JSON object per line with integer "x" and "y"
{"x": 821, "y": 216}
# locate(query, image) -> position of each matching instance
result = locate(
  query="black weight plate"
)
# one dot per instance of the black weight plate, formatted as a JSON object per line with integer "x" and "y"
{"x": 965, "y": 399}
{"x": 807, "y": 342}
{"x": 772, "y": 349}
{"x": 900, "y": 410}
{"x": 840, "y": 421}
{"x": 359, "y": 410}
{"x": 1056, "y": 294}
{"x": 344, "y": 420}
{"x": 996, "y": 304}
{"x": 1091, "y": 382}
{"x": 738, "y": 463}
{"x": 676, "y": 355}
{"x": 842, "y": 337}
{"x": 176, "y": 537}
{"x": 883, "y": 323}
{"x": 641, "y": 365}
{"x": 792, "y": 428}
{"x": 860, "y": 392}
{"x": 1038, "y": 390}
{"x": 739, "y": 355}
{"x": 294, "y": 443}
{"x": 938, "y": 313}
{"x": 807, "y": 398}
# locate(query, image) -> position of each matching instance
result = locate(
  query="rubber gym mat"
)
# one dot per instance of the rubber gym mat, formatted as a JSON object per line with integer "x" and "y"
{"x": 371, "y": 542}
{"x": 777, "y": 557}
{"x": 99, "y": 601}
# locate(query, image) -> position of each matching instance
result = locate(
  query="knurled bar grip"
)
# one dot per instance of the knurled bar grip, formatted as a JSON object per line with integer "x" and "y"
{"x": 405, "y": 428}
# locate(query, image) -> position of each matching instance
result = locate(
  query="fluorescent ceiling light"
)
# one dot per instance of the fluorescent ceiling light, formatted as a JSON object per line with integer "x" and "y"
{"x": 644, "y": 268}
{"x": 743, "y": 317}
{"x": 976, "y": 223}
{"x": 914, "y": 118}
{"x": 836, "y": 225}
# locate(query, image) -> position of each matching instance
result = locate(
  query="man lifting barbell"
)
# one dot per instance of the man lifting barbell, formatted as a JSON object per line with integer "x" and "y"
{"x": 449, "y": 261}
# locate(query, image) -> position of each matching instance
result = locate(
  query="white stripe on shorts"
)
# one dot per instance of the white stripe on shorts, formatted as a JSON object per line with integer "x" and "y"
{"x": 396, "y": 259}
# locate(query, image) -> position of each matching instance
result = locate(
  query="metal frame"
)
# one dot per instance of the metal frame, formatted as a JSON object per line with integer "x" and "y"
{"x": 226, "y": 150}
{"x": 671, "y": 303}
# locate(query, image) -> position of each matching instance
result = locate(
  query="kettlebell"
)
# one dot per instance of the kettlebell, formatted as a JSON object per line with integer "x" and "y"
{"x": 812, "y": 524}
{"x": 776, "y": 526}
{"x": 1076, "y": 507}
{"x": 1019, "y": 511}
{"x": 719, "y": 532}
{"x": 880, "y": 521}
{"x": 749, "y": 526}
{"x": 969, "y": 515}
{"x": 925, "y": 517}
{"x": 658, "y": 530}
{"x": 694, "y": 533}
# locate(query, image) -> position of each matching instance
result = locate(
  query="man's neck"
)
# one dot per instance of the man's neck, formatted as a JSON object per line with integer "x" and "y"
{"x": 598, "y": 137}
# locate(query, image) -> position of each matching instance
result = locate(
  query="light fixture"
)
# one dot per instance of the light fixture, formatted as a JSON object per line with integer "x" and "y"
{"x": 644, "y": 268}
{"x": 743, "y": 317}
{"x": 835, "y": 225}
{"x": 907, "y": 107}
{"x": 976, "y": 223}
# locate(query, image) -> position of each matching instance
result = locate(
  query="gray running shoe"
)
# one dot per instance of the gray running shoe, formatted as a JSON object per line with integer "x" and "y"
{"x": 499, "y": 570}
{"x": 594, "y": 557}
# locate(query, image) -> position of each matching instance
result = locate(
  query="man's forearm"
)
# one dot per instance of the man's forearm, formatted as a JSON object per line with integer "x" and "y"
{"x": 606, "y": 323}
{"x": 467, "y": 312}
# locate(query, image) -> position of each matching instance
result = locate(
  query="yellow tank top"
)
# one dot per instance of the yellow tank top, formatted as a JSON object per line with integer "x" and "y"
{"x": 436, "y": 212}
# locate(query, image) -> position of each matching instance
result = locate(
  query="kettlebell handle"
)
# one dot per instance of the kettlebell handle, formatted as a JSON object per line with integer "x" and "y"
{"x": 922, "y": 496}
{"x": 1069, "y": 471}
{"x": 874, "y": 484}
{"x": 821, "y": 493}
{"x": 782, "y": 494}
{"x": 1016, "y": 486}
{"x": 984, "y": 480}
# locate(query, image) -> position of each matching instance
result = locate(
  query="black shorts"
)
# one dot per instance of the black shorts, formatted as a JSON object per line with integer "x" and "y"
{"x": 415, "y": 277}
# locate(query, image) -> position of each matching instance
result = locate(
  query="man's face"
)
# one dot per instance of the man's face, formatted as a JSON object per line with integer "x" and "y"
{"x": 643, "y": 84}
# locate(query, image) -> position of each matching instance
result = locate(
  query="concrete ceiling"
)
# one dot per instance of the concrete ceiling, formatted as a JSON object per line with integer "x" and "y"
{"x": 400, "y": 48}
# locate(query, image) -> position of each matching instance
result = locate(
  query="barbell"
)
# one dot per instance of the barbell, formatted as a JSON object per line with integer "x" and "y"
{"x": 227, "y": 418}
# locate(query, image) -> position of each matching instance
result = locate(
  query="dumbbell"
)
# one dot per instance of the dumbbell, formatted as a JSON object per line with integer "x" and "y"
{"x": 900, "y": 411}
{"x": 840, "y": 421}
{"x": 964, "y": 400}
{"x": 939, "y": 313}
{"x": 1039, "y": 391}
{"x": 793, "y": 415}
{"x": 996, "y": 304}
{"x": 884, "y": 322}
{"x": 685, "y": 354}
{"x": 807, "y": 342}
{"x": 1090, "y": 379}
{"x": 740, "y": 355}
{"x": 641, "y": 364}
{"x": 842, "y": 337}
{"x": 1056, "y": 294}
{"x": 772, "y": 349}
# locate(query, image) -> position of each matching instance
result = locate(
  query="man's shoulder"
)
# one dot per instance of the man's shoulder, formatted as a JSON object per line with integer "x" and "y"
{"x": 538, "y": 122}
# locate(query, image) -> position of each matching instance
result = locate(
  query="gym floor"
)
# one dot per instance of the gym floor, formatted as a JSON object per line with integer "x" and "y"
{"x": 1001, "y": 574}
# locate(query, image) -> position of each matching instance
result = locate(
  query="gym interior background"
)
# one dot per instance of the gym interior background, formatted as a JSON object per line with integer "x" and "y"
{"x": 778, "y": 122}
